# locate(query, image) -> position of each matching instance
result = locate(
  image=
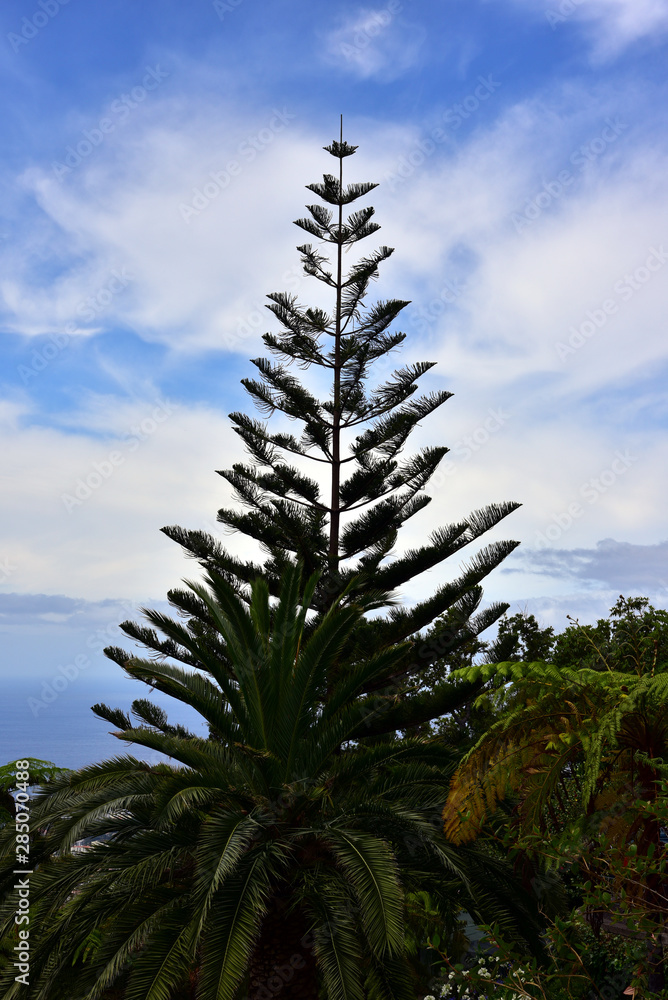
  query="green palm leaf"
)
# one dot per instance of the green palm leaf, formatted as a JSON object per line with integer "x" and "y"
{"x": 217, "y": 863}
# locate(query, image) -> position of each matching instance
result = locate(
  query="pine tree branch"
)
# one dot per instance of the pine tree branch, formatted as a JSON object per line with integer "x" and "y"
{"x": 421, "y": 708}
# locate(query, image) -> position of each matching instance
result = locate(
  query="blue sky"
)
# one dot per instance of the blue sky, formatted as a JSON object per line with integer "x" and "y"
{"x": 154, "y": 157}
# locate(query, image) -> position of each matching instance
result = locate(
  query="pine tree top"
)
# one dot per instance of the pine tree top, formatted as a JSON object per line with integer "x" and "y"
{"x": 340, "y": 149}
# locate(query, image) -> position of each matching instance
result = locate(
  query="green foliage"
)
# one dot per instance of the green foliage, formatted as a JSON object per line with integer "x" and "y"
{"x": 629, "y": 641}
{"x": 303, "y": 825}
{"x": 580, "y": 965}
{"x": 40, "y": 771}
{"x": 621, "y": 882}
{"x": 572, "y": 776}
{"x": 531, "y": 642}
{"x": 568, "y": 735}
{"x": 278, "y": 830}
{"x": 432, "y": 930}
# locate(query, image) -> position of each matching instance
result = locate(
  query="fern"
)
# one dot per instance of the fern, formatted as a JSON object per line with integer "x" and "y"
{"x": 559, "y": 727}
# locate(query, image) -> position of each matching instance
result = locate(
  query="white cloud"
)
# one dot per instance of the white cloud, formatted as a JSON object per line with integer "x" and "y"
{"x": 451, "y": 218}
{"x": 619, "y": 566}
{"x": 588, "y": 606}
{"x": 202, "y": 283}
{"x": 517, "y": 296}
{"x": 171, "y": 228}
{"x": 502, "y": 300}
{"x": 11, "y": 413}
{"x": 612, "y": 25}
{"x": 618, "y": 23}
{"x": 80, "y": 515}
{"x": 372, "y": 43}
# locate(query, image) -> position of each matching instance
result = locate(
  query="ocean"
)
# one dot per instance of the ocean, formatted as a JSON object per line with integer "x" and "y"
{"x": 65, "y": 731}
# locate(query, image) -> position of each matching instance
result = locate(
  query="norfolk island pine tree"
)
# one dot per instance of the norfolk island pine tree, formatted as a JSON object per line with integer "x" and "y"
{"x": 347, "y": 536}
{"x": 378, "y": 481}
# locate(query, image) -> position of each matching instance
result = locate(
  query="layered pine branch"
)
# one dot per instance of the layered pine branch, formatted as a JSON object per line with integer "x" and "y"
{"x": 347, "y": 530}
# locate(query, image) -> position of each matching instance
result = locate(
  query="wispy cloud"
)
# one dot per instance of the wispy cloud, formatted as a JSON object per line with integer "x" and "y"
{"x": 375, "y": 43}
{"x": 514, "y": 230}
{"x": 612, "y": 25}
{"x": 616, "y": 24}
{"x": 521, "y": 294}
{"x": 620, "y": 566}
{"x": 96, "y": 503}
{"x": 121, "y": 213}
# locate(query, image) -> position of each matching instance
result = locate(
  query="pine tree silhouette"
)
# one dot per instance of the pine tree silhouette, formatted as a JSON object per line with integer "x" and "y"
{"x": 348, "y": 531}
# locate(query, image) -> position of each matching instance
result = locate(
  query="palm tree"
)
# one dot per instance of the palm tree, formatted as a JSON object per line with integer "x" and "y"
{"x": 276, "y": 851}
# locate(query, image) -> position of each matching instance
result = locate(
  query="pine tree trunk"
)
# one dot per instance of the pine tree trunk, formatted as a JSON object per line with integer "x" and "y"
{"x": 283, "y": 965}
{"x": 334, "y": 524}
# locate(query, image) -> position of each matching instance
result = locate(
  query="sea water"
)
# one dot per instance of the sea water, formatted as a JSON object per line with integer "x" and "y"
{"x": 66, "y": 731}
